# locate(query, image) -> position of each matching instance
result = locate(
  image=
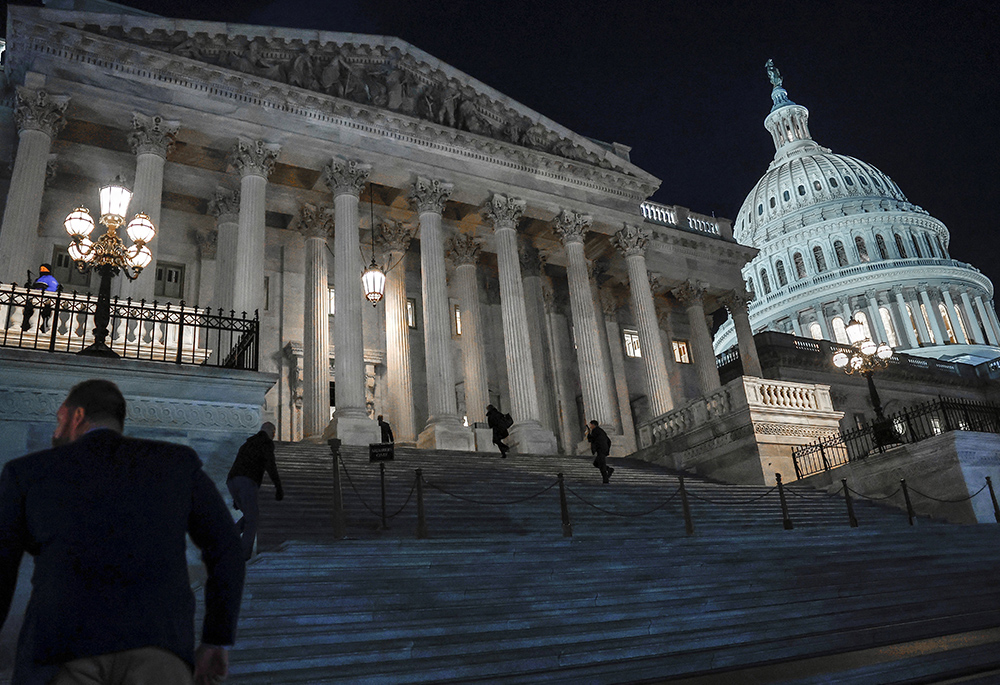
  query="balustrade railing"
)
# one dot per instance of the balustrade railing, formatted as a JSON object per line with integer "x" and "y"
{"x": 162, "y": 332}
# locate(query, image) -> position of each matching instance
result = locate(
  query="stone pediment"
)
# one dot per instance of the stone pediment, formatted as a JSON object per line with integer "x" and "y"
{"x": 379, "y": 74}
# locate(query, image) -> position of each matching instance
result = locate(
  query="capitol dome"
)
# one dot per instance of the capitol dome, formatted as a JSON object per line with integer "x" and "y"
{"x": 838, "y": 240}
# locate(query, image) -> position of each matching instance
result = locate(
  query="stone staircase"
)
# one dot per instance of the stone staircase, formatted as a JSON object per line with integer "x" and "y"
{"x": 497, "y": 594}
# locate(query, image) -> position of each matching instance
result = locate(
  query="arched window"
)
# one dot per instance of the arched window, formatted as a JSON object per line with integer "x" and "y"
{"x": 862, "y": 319}
{"x": 848, "y": 180}
{"x": 890, "y": 330}
{"x": 765, "y": 282}
{"x": 930, "y": 247}
{"x": 899, "y": 246}
{"x": 838, "y": 249}
{"x": 800, "y": 265}
{"x": 772, "y": 203}
{"x": 883, "y": 251}
{"x": 859, "y": 244}
{"x": 839, "y": 330}
{"x": 815, "y": 331}
{"x": 916, "y": 246}
{"x": 760, "y": 209}
{"x": 750, "y": 287}
{"x": 779, "y": 268}
{"x": 819, "y": 259}
{"x": 941, "y": 250}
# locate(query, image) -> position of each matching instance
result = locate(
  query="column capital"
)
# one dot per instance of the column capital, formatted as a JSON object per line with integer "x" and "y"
{"x": 464, "y": 250}
{"x": 572, "y": 226}
{"x": 735, "y": 299}
{"x": 531, "y": 263}
{"x": 346, "y": 176}
{"x": 897, "y": 290}
{"x": 224, "y": 205}
{"x": 631, "y": 240}
{"x": 152, "y": 135}
{"x": 315, "y": 221}
{"x": 503, "y": 211}
{"x": 690, "y": 293}
{"x": 395, "y": 235}
{"x": 429, "y": 194}
{"x": 254, "y": 157}
{"x": 207, "y": 242}
{"x": 37, "y": 110}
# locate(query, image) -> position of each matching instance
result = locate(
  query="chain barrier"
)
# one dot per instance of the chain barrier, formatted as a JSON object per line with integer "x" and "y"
{"x": 408, "y": 497}
{"x": 874, "y": 499}
{"x": 615, "y": 513}
{"x": 360, "y": 498}
{"x": 494, "y": 504}
{"x": 947, "y": 501}
{"x": 797, "y": 494}
{"x": 749, "y": 501}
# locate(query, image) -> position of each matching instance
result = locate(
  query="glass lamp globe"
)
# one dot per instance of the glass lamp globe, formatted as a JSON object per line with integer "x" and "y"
{"x": 81, "y": 250}
{"x": 857, "y": 361}
{"x": 884, "y": 351}
{"x": 139, "y": 256}
{"x": 141, "y": 229}
{"x": 855, "y": 331}
{"x": 868, "y": 347}
{"x": 840, "y": 360}
{"x": 115, "y": 198}
{"x": 79, "y": 222}
{"x": 373, "y": 282}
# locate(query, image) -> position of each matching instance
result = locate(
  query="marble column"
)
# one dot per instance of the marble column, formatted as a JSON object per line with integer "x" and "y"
{"x": 609, "y": 306}
{"x": 560, "y": 352}
{"x": 692, "y": 296}
{"x": 970, "y": 316}
{"x": 39, "y": 118}
{"x": 351, "y": 423}
{"x": 875, "y": 318}
{"x": 632, "y": 240}
{"x": 955, "y": 316}
{"x": 736, "y": 302}
{"x": 224, "y": 205}
{"x": 922, "y": 330}
{"x": 315, "y": 224}
{"x": 824, "y": 327}
{"x": 527, "y": 435}
{"x": 399, "y": 375}
{"x": 594, "y": 377}
{"x": 932, "y": 315}
{"x": 464, "y": 252}
{"x": 534, "y": 305}
{"x": 444, "y": 429}
{"x": 151, "y": 139}
{"x": 906, "y": 334}
{"x": 667, "y": 337}
{"x": 992, "y": 313}
{"x": 991, "y": 333}
{"x": 254, "y": 161}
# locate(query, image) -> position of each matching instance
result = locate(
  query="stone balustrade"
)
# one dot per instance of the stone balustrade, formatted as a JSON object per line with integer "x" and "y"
{"x": 681, "y": 217}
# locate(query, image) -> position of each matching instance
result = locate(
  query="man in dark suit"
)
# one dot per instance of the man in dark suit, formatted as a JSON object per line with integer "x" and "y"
{"x": 386, "y": 429}
{"x": 256, "y": 456}
{"x": 105, "y": 517}
{"x": 600, "y": 447}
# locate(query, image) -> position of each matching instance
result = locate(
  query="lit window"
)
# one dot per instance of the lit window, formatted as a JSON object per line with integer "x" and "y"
{"x": 411, "y": 312}
{"x": 169, "y": 280}
{"x": 333, "y": 300}
{"x": 631, "y": 343}
{"x": 458, "y": 320}
{"x": 681, "y": 353}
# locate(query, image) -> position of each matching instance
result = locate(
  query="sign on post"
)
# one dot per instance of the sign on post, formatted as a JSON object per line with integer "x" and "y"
{"x": 381, "y": 451}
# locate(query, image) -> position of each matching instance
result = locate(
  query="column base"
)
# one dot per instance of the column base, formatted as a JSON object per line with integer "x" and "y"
{"x": 529, "y": 437}
{"x": 446, "y": 433}
{"x": 353, "y": 430}
{"x": 619, "y": 446}
{"x": 484, "y": 440}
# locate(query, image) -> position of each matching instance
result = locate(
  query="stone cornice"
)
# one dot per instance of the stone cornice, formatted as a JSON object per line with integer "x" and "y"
{"x": 144, "y": 62}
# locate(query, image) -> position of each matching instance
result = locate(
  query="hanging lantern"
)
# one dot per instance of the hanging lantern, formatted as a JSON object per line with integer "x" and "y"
{"x": 373, "y": 282}
{"x": 115, "y": 197}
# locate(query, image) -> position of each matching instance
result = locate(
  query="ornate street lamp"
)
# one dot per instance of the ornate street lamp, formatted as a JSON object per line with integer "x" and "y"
{"x": 109, "y": 254}
{"x": 865, "y": 359}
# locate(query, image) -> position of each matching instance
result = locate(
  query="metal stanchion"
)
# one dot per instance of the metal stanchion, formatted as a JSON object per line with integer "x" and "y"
{"x": 339, "y": 522}
{"x": 421, "y": 521}
{"x": 567, "y": 527}
{"x": 685, "y": 507}
{"x": 381, "y": 470}
{"x": 786, "y": 521}
{"x": 906, "y": 496}
{"x": 850, "y": 505}
{"x": 993, "y": 497}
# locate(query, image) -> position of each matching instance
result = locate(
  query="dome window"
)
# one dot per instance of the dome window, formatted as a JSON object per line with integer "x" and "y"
{"x": 864, "y": 181}
{"x": 772, "y": 203}
{"x": 779, "y": 268}
{"x": 859, "y": 244}
{"x": 802, "y": 190}
{"x": 930, "y": 248}
{"x": 883, "y": 252}
{"x": 800, "y": 265}
{"x": 899, "y": 246}
{"x": 944, "y": 252}
{"x": 916, "y": 246}
{"x": 819, "y": 258}
{"x": 878, "y": 184}
{"x": 760, "y": 209}
{"x": 838, "y": 249}
{"x": 817, "y": 185}
{"x": 833, "y": 182}
{"x": 786, "y": 196}
{"x": 765, "y": 283}
{"x": 848, "y": 180}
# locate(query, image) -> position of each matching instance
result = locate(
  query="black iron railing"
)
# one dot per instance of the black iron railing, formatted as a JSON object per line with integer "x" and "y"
{"x": 909, "y": 426}
{"x": 162, "y": 332}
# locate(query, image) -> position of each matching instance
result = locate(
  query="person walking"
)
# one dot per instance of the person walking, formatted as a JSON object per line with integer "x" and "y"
{"x": 387, "y": 435}
{"x": 106, "y": 519}
{"x": 47, "y": 283}
{"x": 256, "y": 456}
{"x": 600, "y": 446}
{"x": 499, "y": 423}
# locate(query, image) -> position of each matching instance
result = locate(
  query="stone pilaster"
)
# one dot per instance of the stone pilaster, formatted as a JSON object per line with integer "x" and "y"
{"x": 351, "y": 424}
{"x": 464, "y": 252}
{"x": 561, "y": 354}
{"x": 736, "y": 302}
{"x": 395, "y": 237}
{"x": 39, "y": 118}
{"x": 224, "y": 205}
{"x": 444, "y": 429}
{"x": 663, "y": 319}
{"x": 594, "y": 378}
{"x": 970, "y": 316}
{"x": 908, "y": 335}
{"x": 254, "y": 161}
{"x": 632, "y": 241}
{"x": 316, "y": 225}
{"x": 692, "y": 296}
{"x": 955, "y": 316}
{"x": 527, "y": 435}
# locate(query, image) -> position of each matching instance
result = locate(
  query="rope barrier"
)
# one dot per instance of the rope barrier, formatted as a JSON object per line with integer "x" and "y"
{"x": 494, "y": 504}
{"x": 749, "y": 501}
{"x": 948, "y": 501}
{"x": 615, "y": 513}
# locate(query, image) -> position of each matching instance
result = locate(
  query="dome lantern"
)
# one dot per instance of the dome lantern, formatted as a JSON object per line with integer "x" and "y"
{"x": 788, "y": 123}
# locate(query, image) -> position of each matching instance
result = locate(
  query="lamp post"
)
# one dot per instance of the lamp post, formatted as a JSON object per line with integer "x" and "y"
{"x": 109, "y": 254}
{"x": 866, "y": 358}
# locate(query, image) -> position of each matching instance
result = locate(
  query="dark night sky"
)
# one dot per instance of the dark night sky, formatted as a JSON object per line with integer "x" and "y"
{"x": 909, "y": 86}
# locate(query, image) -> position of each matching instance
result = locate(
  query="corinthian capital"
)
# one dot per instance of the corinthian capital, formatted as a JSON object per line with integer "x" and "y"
{"x": 531, "y": 260}
{"x": 689, "y": 293}
{"x": 572, "y": 227}
{"x": 207, "y": 242}
{"x": 464, "y": 250}
{"x": 37, "y": 110}
{"x": 152, "y": 135}
{"x": 503, "y": 211}
{"x": 430, "y": 194}
{"x": 735, "y": 299}
{"x": 254, "y": 158}
{"x": 225, "y": 205}
{"x": 346, "y": 176}
{"x": 315, "y": 221}
{"x": 631, "y": 240}
{"x": 395, "y": 236}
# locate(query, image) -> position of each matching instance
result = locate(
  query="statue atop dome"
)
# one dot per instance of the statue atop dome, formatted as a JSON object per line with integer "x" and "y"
{"x": 773, "y": 74}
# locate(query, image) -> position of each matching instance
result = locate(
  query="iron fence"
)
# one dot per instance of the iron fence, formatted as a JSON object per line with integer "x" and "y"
{"x": 909, "y": 426}
{"x": 162, "y": 332}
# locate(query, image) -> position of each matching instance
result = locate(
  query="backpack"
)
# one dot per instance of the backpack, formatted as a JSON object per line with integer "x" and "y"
{"x": 507, "y": 420}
